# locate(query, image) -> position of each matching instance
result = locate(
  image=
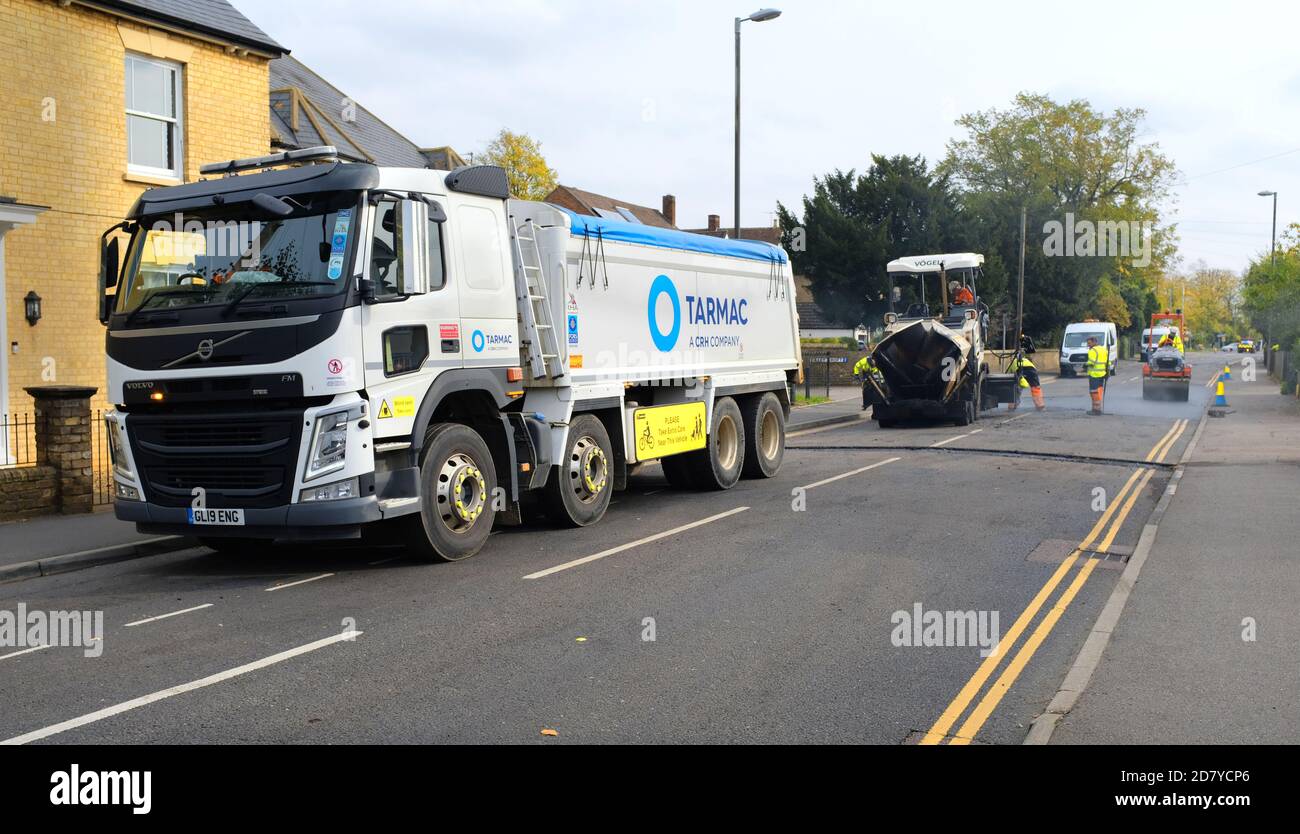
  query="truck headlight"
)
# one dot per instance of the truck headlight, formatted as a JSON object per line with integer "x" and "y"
{"x": 116, "y": 448}
{"x": 329, "y": 445}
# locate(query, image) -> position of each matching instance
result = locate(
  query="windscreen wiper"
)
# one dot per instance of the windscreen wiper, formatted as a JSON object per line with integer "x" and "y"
{"x": 144, "y": 305}
{"x": 239, "y": 299}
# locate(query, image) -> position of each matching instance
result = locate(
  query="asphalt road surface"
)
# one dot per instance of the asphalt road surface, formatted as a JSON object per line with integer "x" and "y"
{"x": 774, "y": 612}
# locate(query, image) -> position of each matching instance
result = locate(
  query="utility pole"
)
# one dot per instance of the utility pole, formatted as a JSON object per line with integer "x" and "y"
{"x": 759, "y": 16}
{"x": 1020, "y": 300}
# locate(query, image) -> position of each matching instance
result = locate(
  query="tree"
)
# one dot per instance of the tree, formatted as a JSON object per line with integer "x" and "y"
{"x": 1211, "y": 304}
{"x": 521, "y": 155}
{"x": 1271, "y": 292}
{"x": 853, "y": 225}
{"x": 1074, "y": 168}
{"x": 1111, "y": 305}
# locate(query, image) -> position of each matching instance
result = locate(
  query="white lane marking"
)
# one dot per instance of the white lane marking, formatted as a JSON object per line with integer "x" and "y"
{"x": 656, "y": 537}
{"x": 24, "y": 651}
{"x": 1013, "y": 419}
{"x": 832, "y": 479}
{"x": 299, "y": 582}
{"x": 144, "y": 700}
{"x": 952, "y": 439}
{"x": 1135, "y": 379}
{"x": 165, "y": 616}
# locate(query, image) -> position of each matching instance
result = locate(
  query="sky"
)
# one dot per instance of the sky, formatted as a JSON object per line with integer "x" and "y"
{"x": 635, "y": 100}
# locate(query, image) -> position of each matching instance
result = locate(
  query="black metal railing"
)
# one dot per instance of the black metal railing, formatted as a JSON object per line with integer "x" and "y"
{"x": 17, "y": 439}
{"x": 102, "y": 488}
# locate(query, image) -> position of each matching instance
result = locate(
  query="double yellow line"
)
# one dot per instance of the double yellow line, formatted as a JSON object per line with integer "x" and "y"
{"x": 1114, "y": 516}
{"x": 1162, "y": 449}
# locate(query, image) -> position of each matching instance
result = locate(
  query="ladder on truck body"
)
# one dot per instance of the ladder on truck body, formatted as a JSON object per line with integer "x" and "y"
{"x": 539, "y": 343}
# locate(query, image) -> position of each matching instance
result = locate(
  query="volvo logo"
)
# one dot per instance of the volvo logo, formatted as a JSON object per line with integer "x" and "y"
{"x": 205, "y": 350}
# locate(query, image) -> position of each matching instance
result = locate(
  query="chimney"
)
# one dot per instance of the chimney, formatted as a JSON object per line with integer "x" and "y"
{"x": 715, "y": 222}
{"x": 670, "y": 209}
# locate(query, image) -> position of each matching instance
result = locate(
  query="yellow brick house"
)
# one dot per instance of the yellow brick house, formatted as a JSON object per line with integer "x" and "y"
{"x": 98, "y": 101}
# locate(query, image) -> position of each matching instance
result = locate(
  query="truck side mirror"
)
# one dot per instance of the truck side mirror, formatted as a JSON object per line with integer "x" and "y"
{"x": 108, "y": 261}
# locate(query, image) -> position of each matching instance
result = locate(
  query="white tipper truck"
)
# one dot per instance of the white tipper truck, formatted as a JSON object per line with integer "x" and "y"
{"x": 300, "y": 347}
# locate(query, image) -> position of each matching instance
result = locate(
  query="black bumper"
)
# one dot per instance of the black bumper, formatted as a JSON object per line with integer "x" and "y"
{"x": 326, "y": 520}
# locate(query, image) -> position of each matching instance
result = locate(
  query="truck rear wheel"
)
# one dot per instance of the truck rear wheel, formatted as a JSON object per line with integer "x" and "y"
{"x": 719, "y": 464}
{"x": 457, "y": 484}
{"x": 578, "y": 491}
{"x": 764, "y": 422}
{"x": 678, "y": 471}
{"x": 965, "y": 412}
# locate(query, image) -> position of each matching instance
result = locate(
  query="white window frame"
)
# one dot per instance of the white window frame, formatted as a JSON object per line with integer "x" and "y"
{"x": 178, "y": 131}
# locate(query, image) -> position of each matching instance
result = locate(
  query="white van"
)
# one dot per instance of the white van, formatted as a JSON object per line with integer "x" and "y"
{"x": 1074, "y": 346}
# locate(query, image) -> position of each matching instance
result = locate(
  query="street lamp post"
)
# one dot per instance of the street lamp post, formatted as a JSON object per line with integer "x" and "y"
{"x": 1272, "y": 267}
{"x": 1272, "y": 250}
{"x": 758, "y": 17}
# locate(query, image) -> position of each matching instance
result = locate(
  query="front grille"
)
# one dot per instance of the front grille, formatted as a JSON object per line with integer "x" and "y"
{"x": 243, "y": 460}
{"x": 1078, "y": 357}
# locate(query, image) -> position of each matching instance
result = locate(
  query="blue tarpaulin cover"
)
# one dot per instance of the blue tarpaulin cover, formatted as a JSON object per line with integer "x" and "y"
{"x": 624, "y": 232}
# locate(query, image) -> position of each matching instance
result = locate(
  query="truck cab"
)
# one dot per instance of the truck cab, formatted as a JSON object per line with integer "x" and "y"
{"x": 273, "y": 333}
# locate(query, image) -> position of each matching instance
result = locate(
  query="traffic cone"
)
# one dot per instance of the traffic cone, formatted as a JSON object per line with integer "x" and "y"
{"x": 1220, "y": 394}
{"x": 1227, "y": 372}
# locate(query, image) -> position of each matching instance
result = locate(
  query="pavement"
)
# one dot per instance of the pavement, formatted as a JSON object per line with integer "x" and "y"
{"x": 845, "y": 404}
{"x": 1205, "y": 651}
{"x": 778, "y": 611}
{"x": 54, "y": 535}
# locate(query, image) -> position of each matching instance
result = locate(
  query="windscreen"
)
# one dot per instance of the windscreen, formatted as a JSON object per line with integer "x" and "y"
{"x": 218, "y": 256}
{"x": 1080, "y": 338}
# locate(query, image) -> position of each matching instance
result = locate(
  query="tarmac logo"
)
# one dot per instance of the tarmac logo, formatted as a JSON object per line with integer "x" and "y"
{"x": 946, "y": 629}
{"x": 664, "y": 341}
{"x": 132, "y": 788}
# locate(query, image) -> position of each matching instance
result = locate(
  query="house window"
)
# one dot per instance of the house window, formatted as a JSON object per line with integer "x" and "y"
{"x": 153, "y": 117}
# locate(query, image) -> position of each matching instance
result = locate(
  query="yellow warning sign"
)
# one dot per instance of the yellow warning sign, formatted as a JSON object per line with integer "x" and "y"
{"x": 575, "y": 360}
{"x": 669, "y": 429}
{"x": 402, "y": 407}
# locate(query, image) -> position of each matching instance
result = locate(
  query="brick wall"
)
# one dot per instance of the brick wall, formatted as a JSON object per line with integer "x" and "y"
{"x": 63, "y": 145}
{"x": 61, "y": 480}
{"x": 27, "y": 491}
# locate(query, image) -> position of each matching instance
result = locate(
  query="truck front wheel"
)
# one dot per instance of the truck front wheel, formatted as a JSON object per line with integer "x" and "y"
{"x": 579, "y": 489}
{"x": 719, "y": 464}
{"x": 457, "y": 485}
